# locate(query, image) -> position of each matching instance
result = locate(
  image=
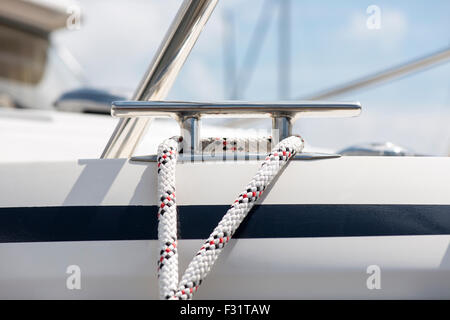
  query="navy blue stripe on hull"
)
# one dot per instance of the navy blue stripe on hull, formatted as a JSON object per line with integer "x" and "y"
{"x": 84, "y": 223}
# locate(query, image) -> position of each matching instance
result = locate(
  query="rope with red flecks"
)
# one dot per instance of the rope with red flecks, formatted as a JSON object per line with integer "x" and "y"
{"x": 203, "y": 261}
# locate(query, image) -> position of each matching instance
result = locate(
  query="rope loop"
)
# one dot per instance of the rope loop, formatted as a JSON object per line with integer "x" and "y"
{"x": 202, "y": 262}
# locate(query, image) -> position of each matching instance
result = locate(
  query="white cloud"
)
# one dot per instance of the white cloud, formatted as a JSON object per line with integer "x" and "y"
{"x": 117, "y": 39}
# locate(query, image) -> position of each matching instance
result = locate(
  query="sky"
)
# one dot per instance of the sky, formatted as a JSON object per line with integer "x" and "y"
{"x": 330, "y": 45}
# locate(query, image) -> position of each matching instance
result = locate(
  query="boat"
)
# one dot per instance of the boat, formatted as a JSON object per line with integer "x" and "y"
{"x": 329, "y": 227}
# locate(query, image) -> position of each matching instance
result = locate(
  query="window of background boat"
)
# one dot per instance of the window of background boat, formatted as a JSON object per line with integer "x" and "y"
{"x": 32, "y": 74}
{"x": 22, "y": 55}
{"x": 328, "y": 44}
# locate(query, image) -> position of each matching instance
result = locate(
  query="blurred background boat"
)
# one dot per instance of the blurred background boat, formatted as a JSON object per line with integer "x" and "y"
{"x": 253, "y": 50}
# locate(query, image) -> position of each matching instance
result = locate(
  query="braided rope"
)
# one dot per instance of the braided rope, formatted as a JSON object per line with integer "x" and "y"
{"x": 205, "y": 258}
{"x": 167, "y": 216}
{"x": 253, "y": 145}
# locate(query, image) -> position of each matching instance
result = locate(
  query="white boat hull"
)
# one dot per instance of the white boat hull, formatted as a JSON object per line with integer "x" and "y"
{"x": 316, "y": 233}
{"x": 412, "y": 267}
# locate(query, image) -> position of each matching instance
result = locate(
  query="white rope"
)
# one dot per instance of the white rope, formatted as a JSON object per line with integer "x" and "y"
{"x": 203, "y": 261}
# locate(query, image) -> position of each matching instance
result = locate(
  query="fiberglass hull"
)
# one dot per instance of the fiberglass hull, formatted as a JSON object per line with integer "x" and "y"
{"x": 319, "y": 232}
